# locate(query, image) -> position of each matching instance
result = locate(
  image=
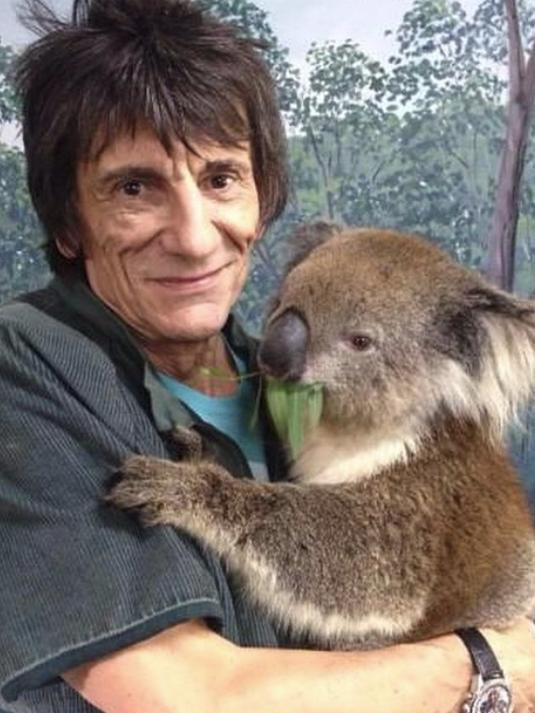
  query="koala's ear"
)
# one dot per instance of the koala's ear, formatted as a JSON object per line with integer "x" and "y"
{"x": 507, "y": 375}
{"x": 306, "y": 237}
{"x": 490, "y": 300}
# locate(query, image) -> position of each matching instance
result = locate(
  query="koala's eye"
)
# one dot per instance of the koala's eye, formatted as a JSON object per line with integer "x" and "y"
{"x": 360, "y": 342}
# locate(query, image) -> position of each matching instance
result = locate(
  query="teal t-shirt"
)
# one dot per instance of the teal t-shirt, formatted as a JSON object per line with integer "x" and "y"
{"x": 232, "y": 415}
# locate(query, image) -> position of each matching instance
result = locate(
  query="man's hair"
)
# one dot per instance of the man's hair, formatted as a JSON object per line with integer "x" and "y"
{"x": 121, "y": 64}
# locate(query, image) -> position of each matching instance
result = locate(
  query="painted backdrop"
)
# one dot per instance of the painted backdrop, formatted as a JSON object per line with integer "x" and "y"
{"x": 397, "y": 116}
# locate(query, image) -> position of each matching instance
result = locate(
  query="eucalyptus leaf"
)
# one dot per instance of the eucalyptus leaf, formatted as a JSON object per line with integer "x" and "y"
{"x": 295, "y": 410}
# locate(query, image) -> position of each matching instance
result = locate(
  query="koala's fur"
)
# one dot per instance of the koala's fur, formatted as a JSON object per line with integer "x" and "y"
{"x": 405, "y": 518}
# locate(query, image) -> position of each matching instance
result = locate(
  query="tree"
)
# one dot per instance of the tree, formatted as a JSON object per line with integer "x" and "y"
{"x": 9, "y": 110}
{"x": 253, "y": 21}
{"x": 503, "y": 230}
{"x": 341, "y": 101}
{"x": 22, "y": 265}
{"x": 449, "y": 96}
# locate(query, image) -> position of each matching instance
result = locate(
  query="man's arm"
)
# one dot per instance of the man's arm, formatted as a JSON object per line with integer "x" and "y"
{"x": 190, "y": 668}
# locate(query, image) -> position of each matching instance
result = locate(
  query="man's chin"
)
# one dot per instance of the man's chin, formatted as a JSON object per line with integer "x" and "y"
{"x": 196, "y": 325}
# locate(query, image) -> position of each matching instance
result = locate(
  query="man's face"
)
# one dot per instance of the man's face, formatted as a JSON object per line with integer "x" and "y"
{"x": 166, "y": 237}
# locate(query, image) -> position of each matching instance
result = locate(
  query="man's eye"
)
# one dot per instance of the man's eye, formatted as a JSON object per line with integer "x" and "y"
{"x": 132, "y": 188}
{"x": 220, "y": 181}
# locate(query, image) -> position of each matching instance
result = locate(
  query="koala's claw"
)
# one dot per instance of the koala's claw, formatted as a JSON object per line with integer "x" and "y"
{"x": 188, "y": 441}
{"x": 139, "y": 487}
{"x": 138, "y": 468}
{"x": 159, "y": 491}
{"x": 164, "y": 492}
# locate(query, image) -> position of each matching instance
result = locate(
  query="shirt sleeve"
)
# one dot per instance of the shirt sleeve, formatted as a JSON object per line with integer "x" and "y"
{"x": 78, "y": 579}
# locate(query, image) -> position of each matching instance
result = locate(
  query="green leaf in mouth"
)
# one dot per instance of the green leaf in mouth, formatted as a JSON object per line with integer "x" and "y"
{"x": 295, "y": 410}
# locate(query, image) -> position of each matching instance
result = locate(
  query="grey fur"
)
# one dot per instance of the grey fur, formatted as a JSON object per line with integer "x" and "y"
{"x": 405, "y": 518}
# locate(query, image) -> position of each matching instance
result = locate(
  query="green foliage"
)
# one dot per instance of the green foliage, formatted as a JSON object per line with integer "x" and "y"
{"x": 22, "y": 265}
{"x": 9, "y": 110}
{"x": 489, "y": 23}
{"x": 341, "y": 101}
{"x": 413, "y": 144}
{"x": 441, "y": 55}
{"x": 254, "y": 23}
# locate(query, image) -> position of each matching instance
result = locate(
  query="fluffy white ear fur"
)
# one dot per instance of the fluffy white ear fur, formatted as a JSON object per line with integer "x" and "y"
{"x": 506, "y": 378}
{"x": 508, "y": 366}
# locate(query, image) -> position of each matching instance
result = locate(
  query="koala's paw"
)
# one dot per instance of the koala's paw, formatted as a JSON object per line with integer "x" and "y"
{"x": 148, "y": 486}
{"x": 188, "y": 443}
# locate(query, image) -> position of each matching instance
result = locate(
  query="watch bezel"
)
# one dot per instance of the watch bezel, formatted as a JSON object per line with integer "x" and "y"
{"x": 481, "y": 695}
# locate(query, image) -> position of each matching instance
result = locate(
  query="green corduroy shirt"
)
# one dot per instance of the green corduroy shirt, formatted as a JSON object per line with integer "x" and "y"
{"x": 78, "y": 578}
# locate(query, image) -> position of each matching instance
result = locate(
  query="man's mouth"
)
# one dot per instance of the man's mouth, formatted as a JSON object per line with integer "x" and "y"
{"x": 189, "y": 282}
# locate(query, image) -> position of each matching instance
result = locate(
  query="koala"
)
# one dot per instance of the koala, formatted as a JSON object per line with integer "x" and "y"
{"x": 403, "y": 517}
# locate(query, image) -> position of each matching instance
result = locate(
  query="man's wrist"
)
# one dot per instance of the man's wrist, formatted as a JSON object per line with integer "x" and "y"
{"x": 490, "y": 691}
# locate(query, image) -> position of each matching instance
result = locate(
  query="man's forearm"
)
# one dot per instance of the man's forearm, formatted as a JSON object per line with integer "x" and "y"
{"x": 430, "y": 677}
{"x": 189, "y": 668}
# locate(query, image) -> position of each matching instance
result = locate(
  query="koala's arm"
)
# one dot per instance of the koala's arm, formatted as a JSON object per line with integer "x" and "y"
{"x": 190, "y": 668}
{"x": 320, "y": 558}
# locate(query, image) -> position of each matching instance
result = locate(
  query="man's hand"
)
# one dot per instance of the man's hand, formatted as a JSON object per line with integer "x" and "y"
{"x": 515, "y": 650}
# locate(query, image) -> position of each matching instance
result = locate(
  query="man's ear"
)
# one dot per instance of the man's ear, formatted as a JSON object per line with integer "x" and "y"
{"x": 258, "y": 236}
{"x": 307, "y": 237}
{"x": 67, "y": 246}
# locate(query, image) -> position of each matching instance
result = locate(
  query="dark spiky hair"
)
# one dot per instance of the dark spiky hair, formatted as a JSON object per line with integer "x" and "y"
{"x": 119, "y": 64}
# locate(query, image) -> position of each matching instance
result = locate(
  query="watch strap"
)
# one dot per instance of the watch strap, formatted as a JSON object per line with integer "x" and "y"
{"x": 483, "y": 658}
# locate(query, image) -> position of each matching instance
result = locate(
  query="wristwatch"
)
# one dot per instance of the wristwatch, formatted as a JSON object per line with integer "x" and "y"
{"x": 490, "y": 693}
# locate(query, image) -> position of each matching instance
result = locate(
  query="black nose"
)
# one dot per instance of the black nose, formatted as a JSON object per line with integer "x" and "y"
{"x": 283, "y": 349}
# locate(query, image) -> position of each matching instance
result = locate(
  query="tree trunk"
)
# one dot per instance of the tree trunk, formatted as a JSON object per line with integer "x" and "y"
{"x": 502, "y": 234}
{"x": 329, "y": 198}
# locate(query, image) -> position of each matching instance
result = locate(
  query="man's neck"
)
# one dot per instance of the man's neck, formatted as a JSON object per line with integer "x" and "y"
{"x": 205, "y": 366}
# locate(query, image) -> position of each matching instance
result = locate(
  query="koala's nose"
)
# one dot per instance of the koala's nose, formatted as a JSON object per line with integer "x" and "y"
{"x": 283, "y": 349}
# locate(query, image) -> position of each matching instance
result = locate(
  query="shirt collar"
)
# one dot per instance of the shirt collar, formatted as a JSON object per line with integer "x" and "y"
{"x": 103, "y": 326}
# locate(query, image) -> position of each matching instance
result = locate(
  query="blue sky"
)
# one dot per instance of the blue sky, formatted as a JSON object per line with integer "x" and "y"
{"x": 296, "y": 22}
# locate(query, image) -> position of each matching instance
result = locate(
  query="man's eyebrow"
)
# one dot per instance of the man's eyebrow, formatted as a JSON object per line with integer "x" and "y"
{"x": 129, "y": 170}
{"x": 227, "y": 164}
{"x": 132, "y": 170}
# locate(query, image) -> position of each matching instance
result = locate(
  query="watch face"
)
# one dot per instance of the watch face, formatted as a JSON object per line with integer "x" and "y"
{"x": 493, "y": 697}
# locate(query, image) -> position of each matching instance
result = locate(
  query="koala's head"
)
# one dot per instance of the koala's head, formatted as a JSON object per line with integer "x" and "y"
{"x": 399, "y": 333}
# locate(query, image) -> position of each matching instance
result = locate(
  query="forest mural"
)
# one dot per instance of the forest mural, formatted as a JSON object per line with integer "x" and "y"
{"x": 434, "y": 139}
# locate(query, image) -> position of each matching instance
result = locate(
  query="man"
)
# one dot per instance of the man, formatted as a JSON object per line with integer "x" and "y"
{"x": 156, "y": 159}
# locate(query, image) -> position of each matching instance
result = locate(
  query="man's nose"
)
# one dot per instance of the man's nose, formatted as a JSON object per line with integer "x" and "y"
{"x": 189, "y": 230}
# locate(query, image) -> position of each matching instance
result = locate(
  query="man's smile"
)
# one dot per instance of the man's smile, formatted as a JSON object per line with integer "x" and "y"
{"x": 196, "y": 282}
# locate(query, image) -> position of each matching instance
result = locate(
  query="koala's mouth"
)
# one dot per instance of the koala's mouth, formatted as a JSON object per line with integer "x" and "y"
{"x": 295, "y": 410}
{"x": 283, "y": 350}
